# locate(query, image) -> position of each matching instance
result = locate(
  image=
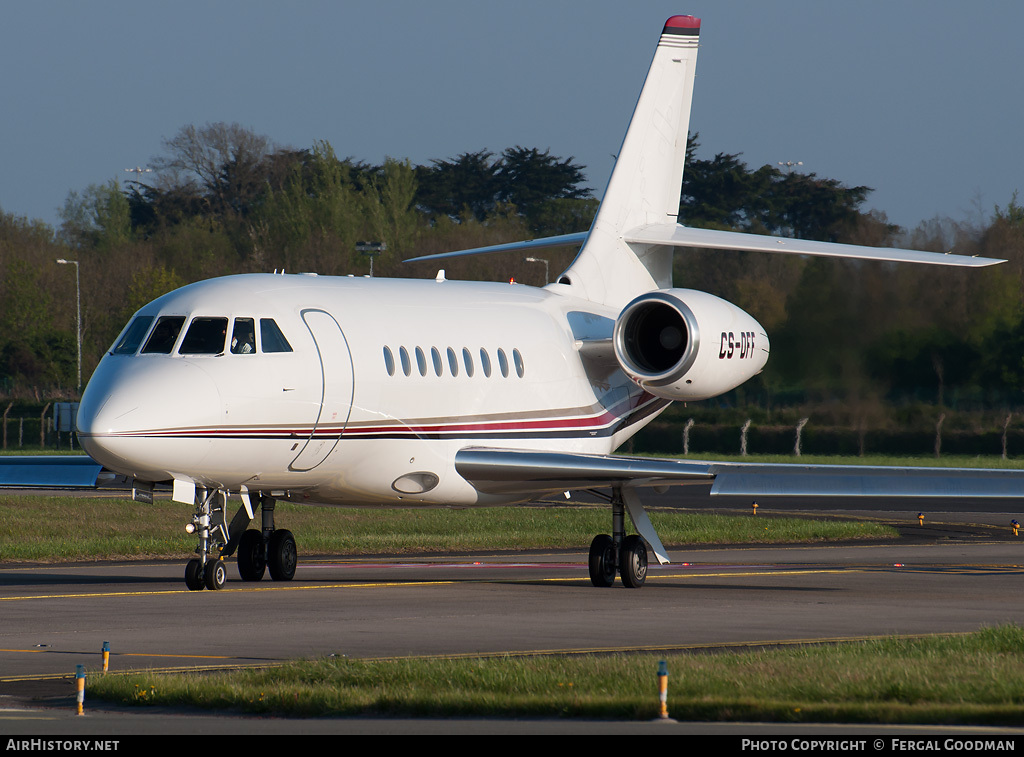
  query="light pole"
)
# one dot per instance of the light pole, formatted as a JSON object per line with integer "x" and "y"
{"x": 78, "y": 317}
{"x": 371, "y": 250}
{"x": 547, "y": 278}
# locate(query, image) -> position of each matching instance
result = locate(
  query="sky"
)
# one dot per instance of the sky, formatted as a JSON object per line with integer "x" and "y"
{"x": 919, "y": 100}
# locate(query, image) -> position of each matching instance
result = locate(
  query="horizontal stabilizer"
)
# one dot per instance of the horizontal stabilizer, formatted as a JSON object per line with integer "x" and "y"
{"x": 563, "y": 240}
{"x": 677, "y": 235}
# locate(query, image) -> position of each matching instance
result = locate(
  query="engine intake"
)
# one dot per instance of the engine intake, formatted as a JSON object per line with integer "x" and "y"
{"x": 656, "y": 336}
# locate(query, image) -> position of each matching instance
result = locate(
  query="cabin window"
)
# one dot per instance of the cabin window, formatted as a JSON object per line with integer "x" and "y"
{"x": 243, "y": 337}
{"x": 485, "y": 362}
{"x": 435, "y": 357}
{"x": 205, "y": 336}
{"x": 517, "y": 359}
{"x": 406, "y": 364}
{"x": 453, "y": 362}
{"x": 271, "y": 338}
{"x": 421, "y": 361}
{"x": 389, "y": 361}
{"x": 132, "y": 337}
{"x": 503, "y": 363}
{"x": 467, "y": 359}
{"x": 164, "y": 335}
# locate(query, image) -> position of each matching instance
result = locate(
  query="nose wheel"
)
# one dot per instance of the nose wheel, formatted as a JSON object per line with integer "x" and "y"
{"x": 211, "y": 575}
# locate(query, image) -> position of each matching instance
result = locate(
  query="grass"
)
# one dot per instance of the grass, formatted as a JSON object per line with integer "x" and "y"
{"x": 74, "y": 528}
{"x": 975, "y": 678}
{"x": 57, "y": 529}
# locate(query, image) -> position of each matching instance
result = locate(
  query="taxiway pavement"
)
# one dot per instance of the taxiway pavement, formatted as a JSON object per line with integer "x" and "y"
{"x": 965, "y": 575}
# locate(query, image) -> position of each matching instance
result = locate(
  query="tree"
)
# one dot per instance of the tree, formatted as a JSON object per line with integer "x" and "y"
{"x": 389, "y": 202}
{"x": 466, "y": 183}
{"x": 534, "y": 183}
{"x": 33, "y": 349}
{"x": 532, "y": 180}
{"x": 722, "y": 193}
{"x": 225, "y": 164}
{"x": 97, "y": 218}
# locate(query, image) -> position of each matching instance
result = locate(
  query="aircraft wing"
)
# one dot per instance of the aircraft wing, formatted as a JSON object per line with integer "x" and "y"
{"x": 55, "y": 472}
{"x": 511, "y": 471}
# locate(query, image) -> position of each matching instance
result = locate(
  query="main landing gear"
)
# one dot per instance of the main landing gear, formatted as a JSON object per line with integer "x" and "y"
{"x": 257, "y": 550}
{"x": 626, "y": 555}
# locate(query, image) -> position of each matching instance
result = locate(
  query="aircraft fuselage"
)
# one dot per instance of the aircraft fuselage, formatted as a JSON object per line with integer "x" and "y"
{"x": 382, "y": 382}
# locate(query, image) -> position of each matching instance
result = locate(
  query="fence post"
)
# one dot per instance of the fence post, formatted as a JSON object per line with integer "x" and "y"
{"x": 938, "y": 435}
{"x": 799, "y": 430}
{"x": 5, "y": 422}
{"x": 42, "y": 426}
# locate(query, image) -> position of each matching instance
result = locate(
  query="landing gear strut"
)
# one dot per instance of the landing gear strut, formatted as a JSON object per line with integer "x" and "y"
{"x": 258, "y": 550}
{"x": 626, "y": 555}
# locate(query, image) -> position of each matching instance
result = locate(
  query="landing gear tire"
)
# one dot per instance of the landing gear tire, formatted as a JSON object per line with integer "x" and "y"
{"x": 252, "y": 556}
{"x": 602, "y": 561}
{"x": 194, "y": 574}
{"x": 282, "y": 555}
{"x": 633, "y": 562}
{"x": 215, "y": 575}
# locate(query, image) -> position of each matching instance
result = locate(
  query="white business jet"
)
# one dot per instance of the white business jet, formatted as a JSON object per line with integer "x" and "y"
{"x": 352, "y": 390}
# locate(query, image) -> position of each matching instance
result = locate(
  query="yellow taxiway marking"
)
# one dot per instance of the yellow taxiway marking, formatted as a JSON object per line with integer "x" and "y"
{"x": 146, "y": 670}
{"x": 696, "y": 572}
{"x": 108, "y": 594}
{"x": 397, "y": 584}
{"x": 124, "y": 654}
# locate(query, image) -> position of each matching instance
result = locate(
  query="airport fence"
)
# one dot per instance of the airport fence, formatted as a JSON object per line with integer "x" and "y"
{"x": 815, "y": 439}
{"x": 34, "y": 427}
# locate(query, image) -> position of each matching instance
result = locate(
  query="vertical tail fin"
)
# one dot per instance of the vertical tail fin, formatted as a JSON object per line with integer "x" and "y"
{"x": 645, "y": 184}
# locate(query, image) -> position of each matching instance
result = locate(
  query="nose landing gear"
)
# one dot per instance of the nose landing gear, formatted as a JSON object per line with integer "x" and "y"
{"x": 258, "y": 550}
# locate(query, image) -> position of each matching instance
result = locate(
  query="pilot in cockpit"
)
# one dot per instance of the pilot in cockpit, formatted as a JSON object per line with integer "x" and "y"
{"x": 243, "y": 339}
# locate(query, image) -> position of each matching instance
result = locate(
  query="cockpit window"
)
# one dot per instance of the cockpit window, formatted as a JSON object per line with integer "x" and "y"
{"x": 271, "y": 337}
{"x": 164, "y": 335}
{"x": 132, "y": 337}
{"x": 243, "y": 337}
{"x": 205, "y": 336}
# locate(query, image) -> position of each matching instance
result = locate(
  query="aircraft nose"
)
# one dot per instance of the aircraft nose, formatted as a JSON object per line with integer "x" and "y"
{"x": 134, "y": 408}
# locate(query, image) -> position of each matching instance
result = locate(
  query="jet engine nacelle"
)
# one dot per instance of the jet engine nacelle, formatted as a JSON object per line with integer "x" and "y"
{"x": 681, "y": 344}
